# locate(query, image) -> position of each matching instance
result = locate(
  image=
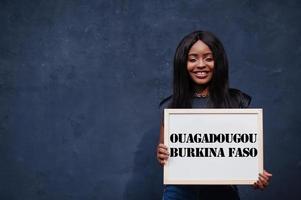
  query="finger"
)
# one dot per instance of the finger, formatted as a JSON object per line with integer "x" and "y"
{"x": 163, "y": 162}
{"x": 257, "y": 185}
{"x": 260, "y": 185}
{"x": 263, "y": 181}
{"x": 267, "y": 173}
{"x": 266, "y": 178}
{"x": 163, "y": 156}
{"x": 163, "y": 151}
{"x": 161, "y": 145}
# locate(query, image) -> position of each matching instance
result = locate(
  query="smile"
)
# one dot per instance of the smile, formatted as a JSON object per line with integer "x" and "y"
{"x": 201, "y": 74}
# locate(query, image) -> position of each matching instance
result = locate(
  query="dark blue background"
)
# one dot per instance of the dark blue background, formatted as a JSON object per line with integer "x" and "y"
{"x": 80, "y": 83}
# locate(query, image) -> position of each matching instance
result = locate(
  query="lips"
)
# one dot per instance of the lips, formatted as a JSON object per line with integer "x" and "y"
{"x": 201, "y": 74}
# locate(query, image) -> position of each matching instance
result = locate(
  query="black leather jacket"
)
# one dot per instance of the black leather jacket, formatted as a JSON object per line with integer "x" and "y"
{"x": 239, "y": 98}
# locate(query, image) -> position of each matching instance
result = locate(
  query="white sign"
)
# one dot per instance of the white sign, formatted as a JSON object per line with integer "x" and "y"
{"x": 213, "y": 146}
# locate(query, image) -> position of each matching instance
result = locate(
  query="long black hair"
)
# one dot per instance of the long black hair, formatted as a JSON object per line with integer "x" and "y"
{"x": 183, "y": 86}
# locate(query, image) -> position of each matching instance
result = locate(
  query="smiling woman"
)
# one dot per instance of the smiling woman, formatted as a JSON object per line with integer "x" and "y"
{"x": 201, "y": 69}
{"x": 201, "y": 81}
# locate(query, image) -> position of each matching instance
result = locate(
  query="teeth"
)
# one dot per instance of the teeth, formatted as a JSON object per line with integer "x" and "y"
{"x": 201, "y": 73}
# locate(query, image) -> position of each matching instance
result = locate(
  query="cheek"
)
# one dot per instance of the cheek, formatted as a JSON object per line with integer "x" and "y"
{"x": 189, "y": 66}
{"x": 211, "y": 65}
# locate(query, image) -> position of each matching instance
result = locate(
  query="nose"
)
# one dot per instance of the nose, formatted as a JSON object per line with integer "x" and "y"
{"x": 201, "y": 63}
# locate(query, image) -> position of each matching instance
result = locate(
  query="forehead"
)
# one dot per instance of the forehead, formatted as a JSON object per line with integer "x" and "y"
{"x": 199, "y": 48}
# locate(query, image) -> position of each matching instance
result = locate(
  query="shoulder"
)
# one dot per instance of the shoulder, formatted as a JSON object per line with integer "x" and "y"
{"x": 241, "y": 99}
{"x": 165, "y": 103}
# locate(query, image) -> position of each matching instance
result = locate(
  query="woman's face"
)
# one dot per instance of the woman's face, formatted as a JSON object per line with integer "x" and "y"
{"x": 200, "y": 63}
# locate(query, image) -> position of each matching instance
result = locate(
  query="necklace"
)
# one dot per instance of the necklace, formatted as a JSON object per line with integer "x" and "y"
{"x": 200, "y": 95}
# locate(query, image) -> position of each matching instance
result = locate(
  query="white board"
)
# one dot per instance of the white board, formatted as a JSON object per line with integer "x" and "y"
{"x": 201, "y": 168}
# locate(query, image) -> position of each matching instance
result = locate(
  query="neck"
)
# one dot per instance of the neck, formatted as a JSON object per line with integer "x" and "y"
{"x": 201, "y": 90}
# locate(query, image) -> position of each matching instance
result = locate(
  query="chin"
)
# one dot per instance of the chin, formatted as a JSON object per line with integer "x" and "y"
{"x": 201, "y": 81}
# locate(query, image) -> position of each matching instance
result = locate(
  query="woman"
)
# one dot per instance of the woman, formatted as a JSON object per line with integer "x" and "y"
{"x": 201, "y": 81}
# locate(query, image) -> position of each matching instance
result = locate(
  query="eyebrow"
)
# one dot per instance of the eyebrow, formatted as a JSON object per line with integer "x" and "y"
{"x": 195, "y": 54}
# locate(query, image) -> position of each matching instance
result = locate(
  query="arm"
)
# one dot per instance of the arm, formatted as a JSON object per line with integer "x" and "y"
{"x": 244, "y": 102}
{"x": 162, "y": 150}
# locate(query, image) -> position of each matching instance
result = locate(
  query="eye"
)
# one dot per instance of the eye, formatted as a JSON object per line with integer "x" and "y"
{"x": 209, "y": 59}
{"x": 192, "y": 60}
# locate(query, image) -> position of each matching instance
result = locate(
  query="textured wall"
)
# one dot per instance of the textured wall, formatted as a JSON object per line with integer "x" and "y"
{"x": 80, "y": 83}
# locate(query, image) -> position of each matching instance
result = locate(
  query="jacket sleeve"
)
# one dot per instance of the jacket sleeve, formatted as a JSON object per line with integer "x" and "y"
{"x": 243, "y": 100}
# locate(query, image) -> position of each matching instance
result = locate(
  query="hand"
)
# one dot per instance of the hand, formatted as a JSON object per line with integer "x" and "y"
{"x": 263, "y": 180}
{"x": 162, "y": 154}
